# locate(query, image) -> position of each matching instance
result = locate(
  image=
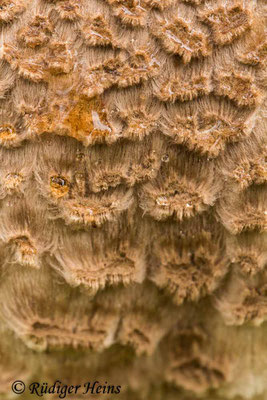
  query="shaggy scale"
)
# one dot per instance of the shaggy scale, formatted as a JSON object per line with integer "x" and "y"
{"x": 133, "y": 197}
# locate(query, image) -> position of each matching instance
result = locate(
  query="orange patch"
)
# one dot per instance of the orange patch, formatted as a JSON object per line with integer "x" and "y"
{"x": 77, "y": 117}
{"x": 7, "y": 132}
{"x": 59, "y": 186}
{"x": 87, "y": 117}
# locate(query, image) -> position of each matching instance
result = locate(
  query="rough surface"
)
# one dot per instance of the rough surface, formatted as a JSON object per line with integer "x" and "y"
{"x": 133, "y": 196}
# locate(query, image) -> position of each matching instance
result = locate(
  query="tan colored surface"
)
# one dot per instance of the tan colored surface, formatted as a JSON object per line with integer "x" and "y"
{"x": 133, "y": 196}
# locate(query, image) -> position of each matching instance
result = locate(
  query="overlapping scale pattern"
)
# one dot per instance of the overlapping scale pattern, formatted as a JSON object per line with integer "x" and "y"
{"x": 133, "y": 196}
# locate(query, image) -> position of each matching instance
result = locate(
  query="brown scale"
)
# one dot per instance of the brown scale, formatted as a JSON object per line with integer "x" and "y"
{"x": 255, "y": 57}
{"x": 227, "y": 24}
{"x": 136, "y": 6}
{"x": 140, "y": 332}
{"x": 255, "y": 47}
{"x": 68, "y": 10}
{"x": 177, "y": 199}
{"x": 137, "y": 68}
{"x": 139, "y": 122}
{"x": 32, "y": 68}
{"x": 244, "y": 210}
{"x": 178, "y": 37}
{"x": 96, "y": 32}
{"x": 25, "y": 252}
{"x": 7, "y": 133}
{"x": 54, "y": 59}
{"x": 188, "y": 275}
{"x": 12, "y": 181}
{"x": 161, "y": 4}
{"x": 25, "y": 246}
{"x": 205, "y": 132}
{"x": 184, "y": 90}
{"x": 248, "y": 263}
{"x": 237, "y": 87}
{"x": 132, "y": 12}
{"x": 10, "y": 9}
{"x": 58, "y": 59}
{"x": 140, "y": 67}
{"x": 95, "y": 210}
{"x": 251, "y": 172}
{"x": 213, "y": 133}
{"x": 244, "y": 300}
{"x": 89, "y": 333}
{"x": 37, "y": 33}
{"x": 107, "y": 180}
{"x": 101, "y": 77}
{"x": 190, "y": 364}
{"x": 195, "y": 2}
{"x": 86, "y": 212}
{"x": 197, "y": 373}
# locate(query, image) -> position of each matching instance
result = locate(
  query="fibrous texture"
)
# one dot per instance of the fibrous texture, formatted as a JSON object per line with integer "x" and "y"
{"x": 133, "y": 197}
